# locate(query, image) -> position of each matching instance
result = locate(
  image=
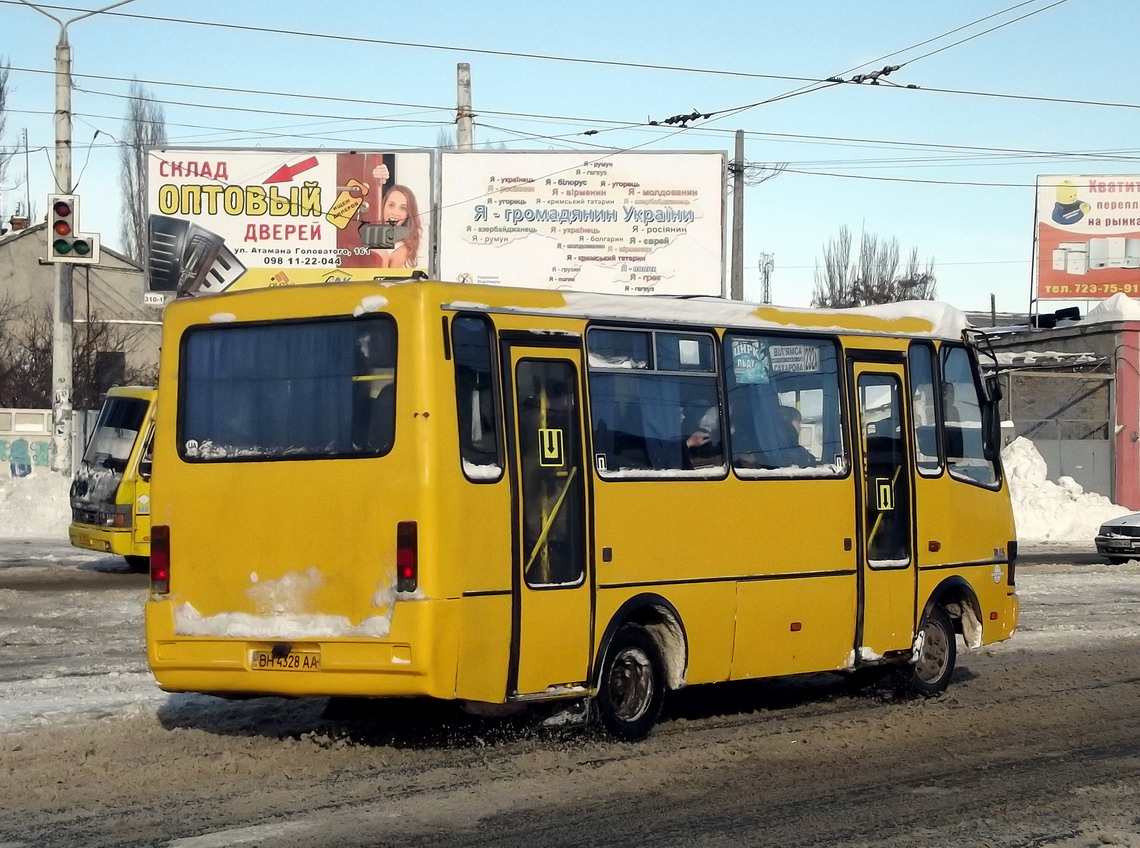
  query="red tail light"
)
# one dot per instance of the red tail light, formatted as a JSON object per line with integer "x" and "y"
{"x": 407, "y": 556}
{"x": 160, "y": 559}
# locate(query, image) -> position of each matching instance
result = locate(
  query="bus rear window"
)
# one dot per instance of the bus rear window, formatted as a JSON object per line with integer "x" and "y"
{"x": 288, "y": 390}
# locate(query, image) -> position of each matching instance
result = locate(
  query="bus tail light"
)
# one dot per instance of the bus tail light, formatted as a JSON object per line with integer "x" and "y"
{"x": 1011, "y": 576}
{"x": 407, "y": 556}
{"x": 160, "y": 559}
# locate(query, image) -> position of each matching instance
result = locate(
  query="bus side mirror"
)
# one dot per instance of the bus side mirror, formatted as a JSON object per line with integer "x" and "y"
{"x": 145, "y": 468}
{"x": 992, "y": 387}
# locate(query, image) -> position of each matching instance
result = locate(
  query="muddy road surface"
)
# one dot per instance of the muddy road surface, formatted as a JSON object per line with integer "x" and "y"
{"x": 1036, "y": 743}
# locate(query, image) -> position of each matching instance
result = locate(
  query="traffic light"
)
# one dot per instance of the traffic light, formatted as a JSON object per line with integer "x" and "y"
{"x": 65, "y": 242}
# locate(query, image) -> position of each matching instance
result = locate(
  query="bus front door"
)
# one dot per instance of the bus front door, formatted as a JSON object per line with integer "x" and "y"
{"x": 887, "y": 579}
{"x": 551, "y": 632}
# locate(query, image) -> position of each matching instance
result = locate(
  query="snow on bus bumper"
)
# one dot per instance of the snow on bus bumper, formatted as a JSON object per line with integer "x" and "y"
{"x": 417, "y": 659}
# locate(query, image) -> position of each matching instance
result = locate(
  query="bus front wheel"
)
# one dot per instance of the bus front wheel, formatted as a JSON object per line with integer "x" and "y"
{"x": 632, "y": 686}
{"x": 932, "y": 669}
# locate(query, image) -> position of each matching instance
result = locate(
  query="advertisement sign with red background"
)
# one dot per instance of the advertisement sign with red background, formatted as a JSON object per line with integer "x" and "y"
{"x": 1088, "y": 237}
{"x": 233, "y": 219}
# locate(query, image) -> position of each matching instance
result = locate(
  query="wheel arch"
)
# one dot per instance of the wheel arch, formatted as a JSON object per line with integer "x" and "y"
{"x": 663, "y": 623}
{"x": 957, "y": 597}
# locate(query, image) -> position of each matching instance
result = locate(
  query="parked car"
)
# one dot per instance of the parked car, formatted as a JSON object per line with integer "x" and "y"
{"x": 1119, "y": 539}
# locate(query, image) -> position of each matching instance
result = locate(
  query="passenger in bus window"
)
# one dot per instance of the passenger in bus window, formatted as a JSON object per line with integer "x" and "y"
{"x": 702, "y": 445}
{"x": 795, "y": 453}
{"x": 948, "y": 407}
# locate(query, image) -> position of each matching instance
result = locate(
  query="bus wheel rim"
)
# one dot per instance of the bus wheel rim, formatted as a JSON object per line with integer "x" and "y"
{"x": 935, "y": 653}
{"x": 631, "y": 684}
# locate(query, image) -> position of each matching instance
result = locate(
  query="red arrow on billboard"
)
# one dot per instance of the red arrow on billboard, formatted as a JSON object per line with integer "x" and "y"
{"x": 286, "y": 173}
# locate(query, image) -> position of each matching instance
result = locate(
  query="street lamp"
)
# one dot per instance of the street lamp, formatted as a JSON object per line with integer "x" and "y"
{"x": 63, "y": 303}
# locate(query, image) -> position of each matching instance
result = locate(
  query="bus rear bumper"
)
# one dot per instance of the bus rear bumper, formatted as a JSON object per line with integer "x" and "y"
{"x": 310, "y": 667}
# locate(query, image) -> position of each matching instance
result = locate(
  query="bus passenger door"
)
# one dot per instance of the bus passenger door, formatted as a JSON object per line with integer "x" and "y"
{"x": 887, "y": 569}
{"x": 552, "y": 613}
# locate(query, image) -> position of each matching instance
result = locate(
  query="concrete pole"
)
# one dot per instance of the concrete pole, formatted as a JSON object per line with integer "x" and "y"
{"x": 63, "y": 301}
{"x": 63, "y": 305}
{"x": 736, "y": 290}
{"x": 464, "y": 136}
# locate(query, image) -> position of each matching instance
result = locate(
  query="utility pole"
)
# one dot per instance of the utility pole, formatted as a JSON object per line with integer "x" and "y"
{"x": 736, "y": 290}
{"x": 63, "y": 302}
{"x": 464, "y": 137}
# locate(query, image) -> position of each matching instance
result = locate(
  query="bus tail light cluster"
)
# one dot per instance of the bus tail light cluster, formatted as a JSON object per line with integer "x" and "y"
{"x": 407, "y": 556}
{"x": 1011, "y": 576}
{"x": 160, "y": 559}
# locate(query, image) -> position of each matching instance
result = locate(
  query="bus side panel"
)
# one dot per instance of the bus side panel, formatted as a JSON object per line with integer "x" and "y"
{"x": 706, "y": 616}
{"x": 794, "y": 625}
{"x": 984, "y": 541}
{"x": 660, "y": 532}
{"x": 484, "y": 648}
{"x": 795, "y": 528}
{"x": 990, "y": 519}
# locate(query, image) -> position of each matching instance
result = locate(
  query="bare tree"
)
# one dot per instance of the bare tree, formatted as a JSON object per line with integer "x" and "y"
{"x": 834, "y": 282}
{"x": 145, "y": 127}
{"x": 100, "y": 352}
{"x": 872, "y": 277}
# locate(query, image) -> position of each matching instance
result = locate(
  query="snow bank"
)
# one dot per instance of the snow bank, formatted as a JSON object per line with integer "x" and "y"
{"x": 1051, "y": 512}
{"x": 34, "y": 507}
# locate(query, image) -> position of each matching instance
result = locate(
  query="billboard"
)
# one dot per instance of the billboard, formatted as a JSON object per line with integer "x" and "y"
{"x": 633, "y": 223}
{"x": 235, "y": 219}
{"x": 1088, "y": 236}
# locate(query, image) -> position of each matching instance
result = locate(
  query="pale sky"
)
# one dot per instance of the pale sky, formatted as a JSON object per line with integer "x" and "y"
{"x": 948, "y": 167}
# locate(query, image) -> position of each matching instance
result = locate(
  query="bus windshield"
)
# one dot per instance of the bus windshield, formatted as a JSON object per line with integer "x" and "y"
{"x": 115, "y": 433}
{"x": 296, "y": 390}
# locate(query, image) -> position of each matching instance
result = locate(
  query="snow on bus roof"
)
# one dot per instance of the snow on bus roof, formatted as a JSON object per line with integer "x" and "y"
{"x": 911, "y": 317}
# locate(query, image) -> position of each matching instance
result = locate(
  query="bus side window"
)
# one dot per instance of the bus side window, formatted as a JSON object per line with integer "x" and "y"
{"x": 650, "y": 394}
{"x": 962, "y": 419}
{"x": 778, "y": 387}
{"x": 472, "y": 338}
{"x": 922, "y": 409}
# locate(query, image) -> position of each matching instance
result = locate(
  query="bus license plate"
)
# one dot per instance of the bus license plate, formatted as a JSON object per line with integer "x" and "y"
{"x": 294, "y": 661}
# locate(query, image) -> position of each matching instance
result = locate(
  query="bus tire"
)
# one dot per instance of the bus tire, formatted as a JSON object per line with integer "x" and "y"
{"x": 631, "y": 689}
{"x": 931, "y": 670}
{"x": 137, "y": 564}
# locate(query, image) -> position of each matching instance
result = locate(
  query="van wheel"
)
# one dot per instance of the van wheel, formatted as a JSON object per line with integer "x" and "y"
{"x": 931, "y": 671}
{"x": 138, "y": 564}
{"x": 632, "y": 687}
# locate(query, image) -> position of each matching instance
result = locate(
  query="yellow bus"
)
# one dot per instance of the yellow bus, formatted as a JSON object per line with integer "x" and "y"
{"x": 576, "y": 501}
{"x": 110, "y": 493}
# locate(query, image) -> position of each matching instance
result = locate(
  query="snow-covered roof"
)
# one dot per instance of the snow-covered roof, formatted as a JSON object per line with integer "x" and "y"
{"x": 1119, "y": 307}
{"x": 1009, "y": 359}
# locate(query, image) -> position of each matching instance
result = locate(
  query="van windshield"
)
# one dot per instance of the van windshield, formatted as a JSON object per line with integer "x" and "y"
{"x": 289, "y": 390}
{"x": 115, "y": 432}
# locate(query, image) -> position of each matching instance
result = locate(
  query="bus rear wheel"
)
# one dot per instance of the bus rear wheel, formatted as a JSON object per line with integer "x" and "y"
{"x": 138, "y": 564}
{"x": 631, "y": 691}
{"x": 932, "y": 669}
